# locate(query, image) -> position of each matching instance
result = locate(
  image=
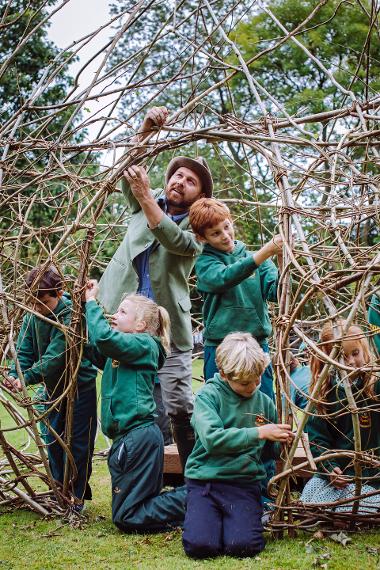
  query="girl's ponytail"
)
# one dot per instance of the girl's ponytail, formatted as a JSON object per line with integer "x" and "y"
{"x": 156, "y": 318}
{"x": 164, "y": 328}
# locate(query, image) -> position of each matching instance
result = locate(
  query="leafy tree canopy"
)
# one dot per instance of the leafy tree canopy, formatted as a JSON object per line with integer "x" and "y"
{"x": 338, "y": 35}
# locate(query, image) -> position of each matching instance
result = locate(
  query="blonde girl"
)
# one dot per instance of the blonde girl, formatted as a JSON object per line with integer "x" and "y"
{"x": 331, "y": 429}
{"x": 131, "y": 349}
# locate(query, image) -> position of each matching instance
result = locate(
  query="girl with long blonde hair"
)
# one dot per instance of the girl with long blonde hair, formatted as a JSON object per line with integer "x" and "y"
{"x": 131, "y": 350}
{"x": 330, "y": 429}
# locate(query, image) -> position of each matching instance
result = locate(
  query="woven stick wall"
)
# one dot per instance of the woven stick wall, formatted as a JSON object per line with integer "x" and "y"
{"x": 308, "y": 173}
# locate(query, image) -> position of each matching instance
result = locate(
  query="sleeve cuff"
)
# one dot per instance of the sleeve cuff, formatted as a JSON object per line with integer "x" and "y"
{"x": 252, "y": 435}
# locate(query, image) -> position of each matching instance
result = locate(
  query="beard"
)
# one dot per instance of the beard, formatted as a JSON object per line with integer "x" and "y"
{"x": 179, "y": 203}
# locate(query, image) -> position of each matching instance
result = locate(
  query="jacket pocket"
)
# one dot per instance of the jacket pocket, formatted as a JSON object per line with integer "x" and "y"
{"x": 185, "y": 304}
{"x": 110, "y": 426}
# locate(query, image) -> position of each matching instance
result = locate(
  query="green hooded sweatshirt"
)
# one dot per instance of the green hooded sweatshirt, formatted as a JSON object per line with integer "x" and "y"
{"x": 130, "y": 363}
{"x": 227, "y": 444}
{"x": 235, "y": 293}
{"x": 41, "y": 351}
{"x": 336, "y": 432}
{"x": 374, "y": 320}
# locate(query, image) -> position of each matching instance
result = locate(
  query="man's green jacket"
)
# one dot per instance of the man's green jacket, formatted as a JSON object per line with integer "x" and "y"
{"x": 170, "y": 264}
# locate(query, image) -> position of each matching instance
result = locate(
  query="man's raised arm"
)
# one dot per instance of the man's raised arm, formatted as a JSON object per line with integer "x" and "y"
{"x": 155, "y": 117}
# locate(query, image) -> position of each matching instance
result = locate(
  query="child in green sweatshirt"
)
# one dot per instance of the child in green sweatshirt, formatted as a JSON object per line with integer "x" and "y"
{"x": 330, "y": 428}
{"x": 235, "y": 427}
{"x": 235, "y": 284}
{"x": 42, "y": 358}
{"x": 131, "y": 350}
{"x": 374, "y": 320}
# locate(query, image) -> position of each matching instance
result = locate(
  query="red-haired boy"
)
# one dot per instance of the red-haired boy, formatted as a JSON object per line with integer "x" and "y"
{"x": 235, "y": 284}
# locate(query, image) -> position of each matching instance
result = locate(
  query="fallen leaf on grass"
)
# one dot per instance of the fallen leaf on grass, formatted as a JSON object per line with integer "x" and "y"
{"x": 341, "y": 538}
{"x": 321, "y": 560}
{"x": 373, "y": 550}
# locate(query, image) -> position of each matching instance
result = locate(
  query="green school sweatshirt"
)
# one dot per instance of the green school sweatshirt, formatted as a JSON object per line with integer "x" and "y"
{"x": 374, "y": 320}
{"x": 227, "y": 444}
{"x": 235, "y": 293}
{"x": 336, "y": 432}
{"x": 130, "y": 363}
{"x": 41, "y": 351}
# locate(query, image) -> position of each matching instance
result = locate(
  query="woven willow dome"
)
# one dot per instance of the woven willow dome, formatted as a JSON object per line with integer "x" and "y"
{"x": 286, "y": 155}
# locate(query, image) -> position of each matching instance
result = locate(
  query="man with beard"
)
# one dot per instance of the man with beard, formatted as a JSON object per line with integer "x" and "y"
{"x": 155, "y": 259}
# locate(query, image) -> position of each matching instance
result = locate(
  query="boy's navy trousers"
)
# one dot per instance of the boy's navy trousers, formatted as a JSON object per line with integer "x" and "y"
{"x": 222, "y": 518}
{"x": 84, "y": 432}
{"x": 136, "y": 462}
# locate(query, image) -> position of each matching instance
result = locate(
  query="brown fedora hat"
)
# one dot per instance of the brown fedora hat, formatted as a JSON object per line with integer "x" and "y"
{"x": 197, "y": 165}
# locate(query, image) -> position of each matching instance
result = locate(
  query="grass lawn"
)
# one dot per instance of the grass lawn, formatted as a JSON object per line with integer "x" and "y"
{"x": 27, "y": 541}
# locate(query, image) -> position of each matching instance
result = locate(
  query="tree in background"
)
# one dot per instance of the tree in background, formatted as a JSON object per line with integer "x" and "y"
{"x": 26, "y": 67}
{"x": 27, "y": 54}
{"x": 340, "y": 35}
{"x": 343, "y": 36}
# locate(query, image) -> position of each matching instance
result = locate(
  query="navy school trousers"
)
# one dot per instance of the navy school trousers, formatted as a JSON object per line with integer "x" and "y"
{"x": 223, "y": 518}
{"x": 83, "y": 441}
{"x": 135, "y": 462}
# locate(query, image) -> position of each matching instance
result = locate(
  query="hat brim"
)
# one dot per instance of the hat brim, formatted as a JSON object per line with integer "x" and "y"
{"x": 203, "y": 172}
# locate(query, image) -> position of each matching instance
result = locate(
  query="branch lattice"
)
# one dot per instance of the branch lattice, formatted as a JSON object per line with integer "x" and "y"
{"x": 312, "y": 173}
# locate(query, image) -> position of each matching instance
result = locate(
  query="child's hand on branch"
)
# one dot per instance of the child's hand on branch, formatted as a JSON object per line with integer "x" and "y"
{"x": 13, "y": 384}
{"x": 336, "y": 479}
{"x": 276, "y": 244}
{"x": 273, "y": 247}
{"x": 92, "y": 290}
{"x": 276, "y": 432}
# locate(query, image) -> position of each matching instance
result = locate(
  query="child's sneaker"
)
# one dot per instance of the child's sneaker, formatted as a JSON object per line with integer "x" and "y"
{"x": 78, "y": 508}
{"x": 75, "y": 511}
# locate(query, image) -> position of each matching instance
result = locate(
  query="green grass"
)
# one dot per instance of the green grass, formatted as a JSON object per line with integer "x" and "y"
{"x": 27, "y": 541}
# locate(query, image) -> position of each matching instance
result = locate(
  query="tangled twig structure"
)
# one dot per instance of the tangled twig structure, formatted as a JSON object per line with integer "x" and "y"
{"x": 310, "y": 172}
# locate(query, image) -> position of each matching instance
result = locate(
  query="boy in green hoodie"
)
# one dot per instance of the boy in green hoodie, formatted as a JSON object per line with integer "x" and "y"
{"x": 235, "y": 284}
{"x": 42, "y": 353}
{"x": 235, "y": 427}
